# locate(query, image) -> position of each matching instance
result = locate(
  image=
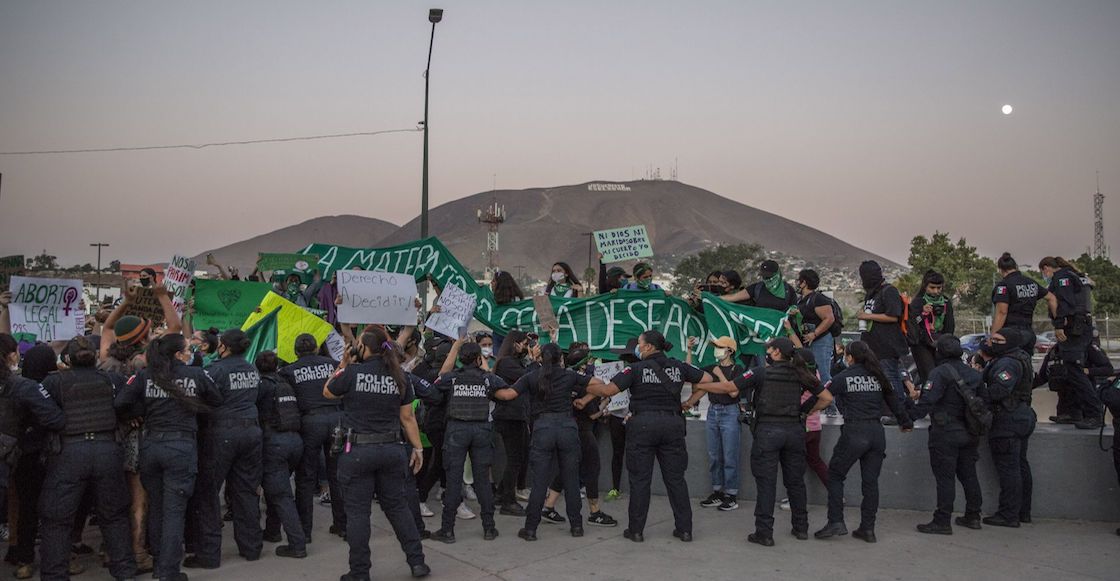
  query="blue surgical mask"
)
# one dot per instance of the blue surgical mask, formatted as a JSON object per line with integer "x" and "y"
{"x": 1047, "y": 280}
{"x": 637, "y": 353}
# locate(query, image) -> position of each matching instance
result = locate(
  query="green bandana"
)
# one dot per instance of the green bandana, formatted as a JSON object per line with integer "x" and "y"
{"x": 776, "y": 285}
{"x": 938, "y": 301}
{"x": 561, "y": 289}
{"x": 644, "y": 283}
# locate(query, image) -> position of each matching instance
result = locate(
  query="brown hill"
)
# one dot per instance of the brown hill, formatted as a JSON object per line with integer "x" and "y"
{"x": 346, "y": 230}
{"x": 549, "y": 224}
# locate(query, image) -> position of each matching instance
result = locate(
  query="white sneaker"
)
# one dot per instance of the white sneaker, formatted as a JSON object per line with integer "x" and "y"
{"x": 785, "y": 504}
{"x": 425, "y": 511}
{"x": 468, "y": 492}
{"x": 522, "y": 494}
{"x": 583, "y": 493}
{"x": 464, "y": 513}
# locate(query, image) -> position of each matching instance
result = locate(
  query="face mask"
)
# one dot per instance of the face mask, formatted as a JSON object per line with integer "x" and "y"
{"x": 1046, "y": 279}
{"x": 558, "y": 277}
{"x": 644, "y": 283}
{"x": 637, "y": 353}
{"x": 720, "y": 353}
{"x": 487, "y": 351}
{"x": 145, "y": 282}
{"x": 769, "y": 360}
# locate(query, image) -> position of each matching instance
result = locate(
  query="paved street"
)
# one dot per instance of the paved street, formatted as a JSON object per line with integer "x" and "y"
{"x": 1046, "y": 550}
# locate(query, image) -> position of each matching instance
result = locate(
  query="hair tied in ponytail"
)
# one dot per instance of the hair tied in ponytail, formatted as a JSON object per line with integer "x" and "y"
{"x": 387, "y": 346}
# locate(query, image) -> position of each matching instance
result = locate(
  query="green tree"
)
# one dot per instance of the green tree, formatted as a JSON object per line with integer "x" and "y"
{"x": 969, "y": 277}
{"x": 1106, "y": 283}
{"x": 43, "y": 262}
{"x": 692, "y": 270}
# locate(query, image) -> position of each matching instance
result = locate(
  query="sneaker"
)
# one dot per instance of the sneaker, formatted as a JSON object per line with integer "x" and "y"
{"x": 888, "y": 421}
{"x": 24, "y": 571}
{"x": 464, "y": 513}
{"x": 325, "y": 498}
{"x": 614, "y": 494}
{"x": 512, "y": 509}
{"x": 785, "y": 504}
{"x": 469, "y": 493}
{"x": 425, "y": 511}
{"x": 228, "y": 516}
{"x": 549, "y": 515}
{"x": 714, "y": 499}
{"x": 144, "y": 563}
{"x": 583, "y": 493}
{"x": 4, "y": 533}
{"x": 730, "y": 502}
{"x": 601, "y": 519}
{"x": 522, "y": 494}
{"x": 1089, "y": 424}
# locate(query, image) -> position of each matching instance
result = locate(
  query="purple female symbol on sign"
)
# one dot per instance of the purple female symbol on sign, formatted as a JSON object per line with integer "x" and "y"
{"x": 68, "y": 298}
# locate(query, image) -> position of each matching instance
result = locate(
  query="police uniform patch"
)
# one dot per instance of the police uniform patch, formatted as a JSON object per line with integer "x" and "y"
{"x": 131, "y": 378}
{"x": 1063, "y": 282}
{"x": 627, "y": 370}
{"x": 748, "y": 374}
{"x": 339, "y": 372}
{"x": 927, "y": 386}
{"x": 1004, "y": 376}
{"x": 1001, "y": 290}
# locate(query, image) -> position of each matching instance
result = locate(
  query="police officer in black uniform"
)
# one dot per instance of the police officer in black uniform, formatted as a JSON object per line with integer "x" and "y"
{"x": 281, "y": 454}
{"x": 1014, "y": 298}
{"x": 656, "y": 430}
{"x": 860, "y": 390}
{"x": 555, "y": 445}
{"x": 952, "y": 449}
{"x": 1009, "y": 376}
{"x": 230, "y": 453}
{"x": 89, "y": 459}
{"x": 168, "y": 395}
{"x": 23, "y": 403}
{"x": 779, "y": 433}
{"x": 320, "y": 416}
{"x": 1073, "y": 325}
{"x": 377, "y": 399}
{"x": 468, "y": 392}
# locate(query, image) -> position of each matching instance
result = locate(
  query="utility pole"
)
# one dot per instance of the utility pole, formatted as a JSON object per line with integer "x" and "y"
{"x": 1099, "y": 249}
{"x": 99, "y": 246}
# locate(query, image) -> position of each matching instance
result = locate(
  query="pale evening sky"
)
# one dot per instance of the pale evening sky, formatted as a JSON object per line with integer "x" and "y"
{"x": 871, "y": 120}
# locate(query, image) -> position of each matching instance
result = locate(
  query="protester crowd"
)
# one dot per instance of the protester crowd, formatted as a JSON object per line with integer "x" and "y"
{"x": 145, "y": 431}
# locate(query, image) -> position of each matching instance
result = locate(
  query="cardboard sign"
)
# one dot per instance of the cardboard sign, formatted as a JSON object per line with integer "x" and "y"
{"x": 623, "y": 243}
{"x": 605, "y": 372}
{"x": 545, "y": 315}
{"x": 144, "y": 304}
{"x": 9, "y": 267}
{"x": 284, "y": 264}
{"x": 47, "y": 308}
{"x": 456, "y": 311}
{"x": 177, "y": 279}
{"x": 376, "y": 297}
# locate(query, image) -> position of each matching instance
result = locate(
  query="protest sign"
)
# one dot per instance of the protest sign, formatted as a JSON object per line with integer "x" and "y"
{"x": 545, "y": 314}
{"x": 456, "y": 308}
{"x": 177, "y": 278}
{"x": 48, "y": 308}
{"x": 606, "y": 371}
{"x": 621, "y": 244}
{"x": 9, "y": 267}
{"x": 376, "y": 297}
{"x": 605, "y": 322}
{"x": 225, "y": 304}
{"x": 291, "y": 321}
{"x": 142, "y": 302}
{"x": 750, "y": 327}
{"x": 284, "y": 264}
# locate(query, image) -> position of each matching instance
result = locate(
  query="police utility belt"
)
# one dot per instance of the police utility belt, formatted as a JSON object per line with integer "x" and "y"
{"x": 90, "y": 437}
{"x": 1074, "y": 324}
{"x": 382, "y": 438}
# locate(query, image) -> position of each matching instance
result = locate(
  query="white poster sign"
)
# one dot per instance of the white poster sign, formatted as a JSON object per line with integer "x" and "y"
{"x": 456, "y": 309}
{"x": 376, "y": 297}
{"x": 177, "y": 278}
{"x": 47, "y": 309}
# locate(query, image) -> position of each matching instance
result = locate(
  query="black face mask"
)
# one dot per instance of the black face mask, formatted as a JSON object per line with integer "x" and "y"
{"x": 769, "y": 360}
{"x": 145, "y": 282}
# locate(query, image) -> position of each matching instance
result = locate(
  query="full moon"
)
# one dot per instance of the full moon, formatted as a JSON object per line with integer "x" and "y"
{"x": 1007, "y": 109}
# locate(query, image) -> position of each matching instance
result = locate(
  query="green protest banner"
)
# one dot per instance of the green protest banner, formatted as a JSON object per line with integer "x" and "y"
{"x": 285, "y": 264}
{"x": 9, "y": 266}
{"x": 750, "y": 327}
{"x": 606, "y": 322}
{"x": 226, "y": 304}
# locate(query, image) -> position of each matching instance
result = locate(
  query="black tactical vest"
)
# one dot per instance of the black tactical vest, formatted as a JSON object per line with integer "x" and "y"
{"x": 780, "y": 395}
{"x": 469, "y": 396}
{"x": 1021, "y": 393}
{"x": 9, "y": 411}
{"x": 87, "y": 401}
{"x": 287, "y": 418}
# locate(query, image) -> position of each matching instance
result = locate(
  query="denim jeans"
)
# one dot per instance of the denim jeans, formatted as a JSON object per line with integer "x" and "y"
{"x": 822, "y": 349}
{"x": 724, "y": 432}
{"x": 893, "y": 370}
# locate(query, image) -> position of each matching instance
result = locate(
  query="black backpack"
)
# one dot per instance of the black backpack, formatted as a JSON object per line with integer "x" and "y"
{"x": 837, "y": 327}
{"x": 977, "y": 415}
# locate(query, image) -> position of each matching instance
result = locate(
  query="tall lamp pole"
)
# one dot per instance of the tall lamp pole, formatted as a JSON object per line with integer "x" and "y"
{"x": 434, "y": 16}
{"x": 99, "y": 246}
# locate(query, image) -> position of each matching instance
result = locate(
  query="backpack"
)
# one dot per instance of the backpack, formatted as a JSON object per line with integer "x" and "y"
{"x": 977, "y": 416}
{"x": 837, "y": 327}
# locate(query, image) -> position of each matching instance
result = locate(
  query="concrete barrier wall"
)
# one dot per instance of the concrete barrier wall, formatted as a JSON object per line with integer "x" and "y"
{"x": 1073, "y": 478}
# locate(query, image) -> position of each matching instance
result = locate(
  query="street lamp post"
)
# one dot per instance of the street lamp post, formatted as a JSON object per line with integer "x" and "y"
{"x": 99, "y": 246}
{"x": 434, "y": 15}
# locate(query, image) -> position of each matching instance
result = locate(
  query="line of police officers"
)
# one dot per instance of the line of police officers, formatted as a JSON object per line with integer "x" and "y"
{"x": 233, "y": 395}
